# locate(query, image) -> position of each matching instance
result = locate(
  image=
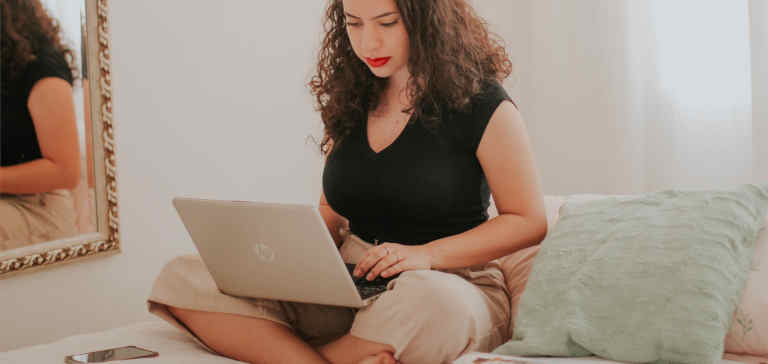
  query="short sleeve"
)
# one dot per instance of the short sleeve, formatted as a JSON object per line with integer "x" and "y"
{"x": 49, "y": 63}
{"x": 483, "y": 106}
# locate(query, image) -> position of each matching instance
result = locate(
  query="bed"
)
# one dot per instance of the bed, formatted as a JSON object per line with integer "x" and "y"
{"x": 176, "y": 347}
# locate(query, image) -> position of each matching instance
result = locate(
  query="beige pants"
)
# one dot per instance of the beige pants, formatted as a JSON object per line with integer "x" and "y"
{"x": 428, "y": 316}
{"x": 31, "y": 219}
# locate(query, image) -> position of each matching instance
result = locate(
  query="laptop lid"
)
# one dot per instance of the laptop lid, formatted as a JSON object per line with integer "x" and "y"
{"x": 268, "y": 250}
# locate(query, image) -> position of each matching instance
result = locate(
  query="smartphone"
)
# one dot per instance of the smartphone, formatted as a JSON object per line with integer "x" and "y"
{"x": 121, "y": 353}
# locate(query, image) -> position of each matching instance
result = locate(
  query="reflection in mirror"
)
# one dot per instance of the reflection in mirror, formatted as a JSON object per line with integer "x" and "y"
{"x": 47, "y": 164}
{"x": 66, "y": 178}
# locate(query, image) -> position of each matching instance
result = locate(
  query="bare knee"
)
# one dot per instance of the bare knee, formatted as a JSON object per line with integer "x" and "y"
{"x": 248, "y": 339}
{"x": 180, "y": 313}
{"x": 223, "y": 323}
{"x": 190, "y": 318}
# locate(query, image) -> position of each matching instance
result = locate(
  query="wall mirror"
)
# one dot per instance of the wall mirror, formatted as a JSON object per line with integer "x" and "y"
{"x": 92, "y": 228}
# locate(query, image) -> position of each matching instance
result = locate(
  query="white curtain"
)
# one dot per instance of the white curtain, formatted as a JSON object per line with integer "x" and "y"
{"x": 625, "y": 96}
{"x": 758, "y": 10}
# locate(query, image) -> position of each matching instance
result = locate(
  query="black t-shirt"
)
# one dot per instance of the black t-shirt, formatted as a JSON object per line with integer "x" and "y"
{"x": 18, "y": 138}
{"x": 424, "y": 186}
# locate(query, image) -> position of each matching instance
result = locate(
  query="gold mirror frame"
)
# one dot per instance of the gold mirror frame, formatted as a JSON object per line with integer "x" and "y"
{"x": 106, "y": 240}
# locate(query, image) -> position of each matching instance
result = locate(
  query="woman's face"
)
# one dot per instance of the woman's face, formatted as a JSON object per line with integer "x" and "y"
{"x": 378, "y": 36}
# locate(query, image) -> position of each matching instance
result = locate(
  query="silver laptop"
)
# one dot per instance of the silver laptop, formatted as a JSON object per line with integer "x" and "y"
{"x": 276, "y": 251}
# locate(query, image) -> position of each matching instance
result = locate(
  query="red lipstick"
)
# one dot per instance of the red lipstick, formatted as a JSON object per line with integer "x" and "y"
{"x": 377, "y": 62}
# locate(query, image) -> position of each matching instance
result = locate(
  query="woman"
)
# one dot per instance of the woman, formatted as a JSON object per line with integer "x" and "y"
{"x": 418, "y": 134}
{"x": 40, "y": 157}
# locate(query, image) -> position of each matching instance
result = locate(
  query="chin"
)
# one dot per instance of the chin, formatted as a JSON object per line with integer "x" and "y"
{"x": 380, "y": 73}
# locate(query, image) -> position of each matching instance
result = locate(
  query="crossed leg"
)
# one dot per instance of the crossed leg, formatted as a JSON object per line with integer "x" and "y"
{"x": 255, "y": 340}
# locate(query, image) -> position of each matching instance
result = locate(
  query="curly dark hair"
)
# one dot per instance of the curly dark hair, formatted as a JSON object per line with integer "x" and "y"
{"x": 27, "y": 30}
{"x": 452, "y": 54}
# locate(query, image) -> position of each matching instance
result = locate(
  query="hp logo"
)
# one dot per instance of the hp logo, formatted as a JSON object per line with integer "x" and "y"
{"x": 263, "y": 252}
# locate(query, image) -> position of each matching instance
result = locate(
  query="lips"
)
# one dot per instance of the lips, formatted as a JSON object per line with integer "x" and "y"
{"x": 377, "y": 62}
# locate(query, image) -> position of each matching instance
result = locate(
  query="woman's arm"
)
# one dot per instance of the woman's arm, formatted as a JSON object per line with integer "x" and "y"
{"x": 332, "y": 219}
{"x": 89, "y": 162}
{"x": 505, "y": 156}
{"x": 52, "y": 109}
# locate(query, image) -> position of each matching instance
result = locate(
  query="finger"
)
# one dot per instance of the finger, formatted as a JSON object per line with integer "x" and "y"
{"x": 396, "y": 268}
{"x": 364, "y": 263}
{"x": 389, "y": 358}
{"x": 383, "y": 264}
{"x": 361, "y": 267}
{"x": 387, "y": 250}
{"x": 371, "y": 257}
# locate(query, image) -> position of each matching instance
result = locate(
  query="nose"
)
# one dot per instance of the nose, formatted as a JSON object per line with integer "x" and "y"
{"x": 370, "y": 40}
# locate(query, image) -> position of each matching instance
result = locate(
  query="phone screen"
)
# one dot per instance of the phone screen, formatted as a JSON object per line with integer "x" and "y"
{"x": 122, "y": 353}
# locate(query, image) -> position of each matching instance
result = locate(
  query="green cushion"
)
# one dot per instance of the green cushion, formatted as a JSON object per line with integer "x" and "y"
{"x": 645, "y": 278}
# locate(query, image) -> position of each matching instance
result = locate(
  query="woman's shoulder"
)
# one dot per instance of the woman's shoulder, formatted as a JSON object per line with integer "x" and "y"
{"x": 467, "y": 126}
{"x": 48, "y": 62}
{"x": 491, "y": 94}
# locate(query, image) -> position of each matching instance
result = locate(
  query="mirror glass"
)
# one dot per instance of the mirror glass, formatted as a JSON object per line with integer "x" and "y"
{"x": 57, "y": 177}
{"x": 53, "y": 213}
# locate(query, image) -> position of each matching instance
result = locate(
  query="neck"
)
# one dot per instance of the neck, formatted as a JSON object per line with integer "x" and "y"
{"x": 395, "y": 94}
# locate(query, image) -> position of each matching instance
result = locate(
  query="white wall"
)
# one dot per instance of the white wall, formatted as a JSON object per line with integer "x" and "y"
{"x": 210, "y": 101}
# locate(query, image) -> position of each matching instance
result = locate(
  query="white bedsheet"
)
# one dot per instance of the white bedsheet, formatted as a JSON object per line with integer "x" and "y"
{"x": 176, "y": 347}
{"x": 470, "y": 359}
{"x": 173, "y": 346}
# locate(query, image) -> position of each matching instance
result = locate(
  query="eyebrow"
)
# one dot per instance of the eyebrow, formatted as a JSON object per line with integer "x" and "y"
{"x": 375, "y": 17}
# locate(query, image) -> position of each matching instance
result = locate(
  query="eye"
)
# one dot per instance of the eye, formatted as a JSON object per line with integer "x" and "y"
{"x": 389, "y": 24}
{"x": 349, "y": 24}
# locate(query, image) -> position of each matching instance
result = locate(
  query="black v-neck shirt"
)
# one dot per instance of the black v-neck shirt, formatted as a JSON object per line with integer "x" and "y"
{"x": 424, "y": 186}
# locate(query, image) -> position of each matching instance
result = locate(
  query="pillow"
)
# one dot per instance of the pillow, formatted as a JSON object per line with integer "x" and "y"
{"x": 641, "y": 278}
{"x": 748, "y": 333}
{"x": 749, "y": 328}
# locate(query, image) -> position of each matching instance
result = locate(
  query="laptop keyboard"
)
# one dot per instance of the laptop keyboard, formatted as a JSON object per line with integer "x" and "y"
{"x": 368, "y": 288}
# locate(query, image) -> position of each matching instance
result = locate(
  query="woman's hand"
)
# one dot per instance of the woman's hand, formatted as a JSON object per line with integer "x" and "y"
{"x": 389, "y": 259}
